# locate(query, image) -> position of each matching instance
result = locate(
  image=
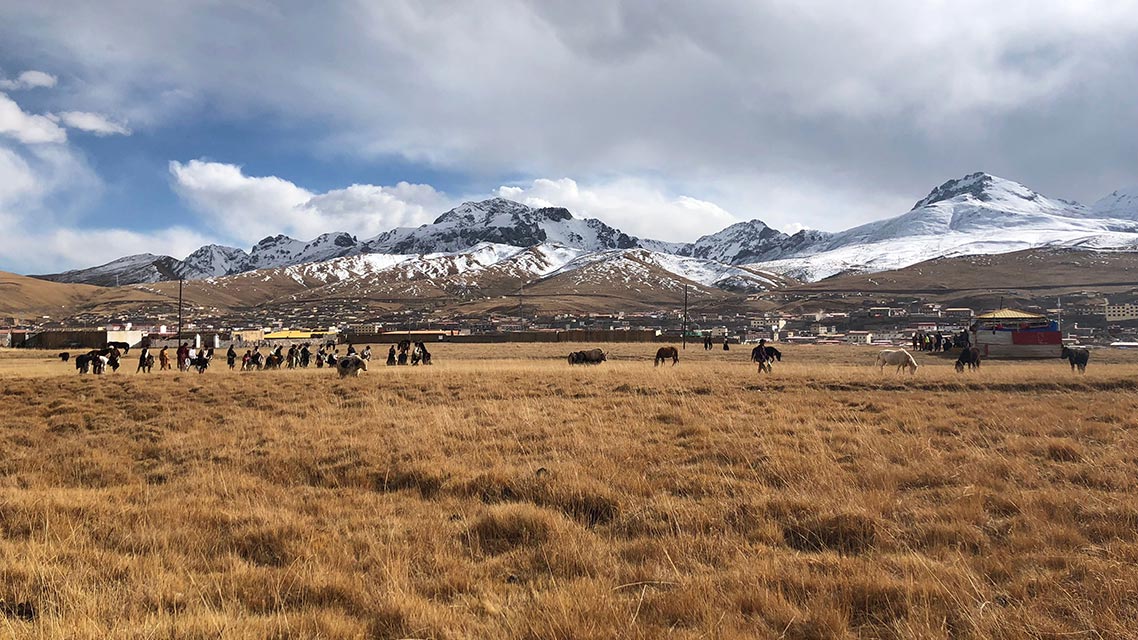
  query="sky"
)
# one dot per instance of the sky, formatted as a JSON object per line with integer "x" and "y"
{"x": 130, "y": 127}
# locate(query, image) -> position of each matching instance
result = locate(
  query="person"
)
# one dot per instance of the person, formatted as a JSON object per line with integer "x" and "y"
{"x": 183, "y": 356}
{"x": 143, "y": 360}
{"x": 351, "y": 349}
{"x": 391, "y": 356}
{"x": 332, "y": 359}
{"x": 245, "y": 359}
{"x": 305, "y": 356}
{"x": 292, "y": 356}
{"x": 231, "y": 357}
{"x": 725, "y": 347}
{"x": 366, "y": 353}
{"x": 163, "y": 359}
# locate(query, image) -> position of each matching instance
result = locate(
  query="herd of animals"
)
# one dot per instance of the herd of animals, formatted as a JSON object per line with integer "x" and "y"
{"x": 98, "y": 360}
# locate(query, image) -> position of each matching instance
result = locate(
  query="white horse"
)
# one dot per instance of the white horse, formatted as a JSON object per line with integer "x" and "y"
{"x": 351, "y": 366}
{"x": 896, "y": 358}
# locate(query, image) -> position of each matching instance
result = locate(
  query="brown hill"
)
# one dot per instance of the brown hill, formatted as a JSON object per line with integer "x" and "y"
{"x": 25, "y": 296}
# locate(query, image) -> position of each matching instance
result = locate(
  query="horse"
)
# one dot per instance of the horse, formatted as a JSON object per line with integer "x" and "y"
{"x": 83, "y": 363}
{"x": 122, "y": 346}
{"x": 351, "y": 366}
{"x": 770, "y": 353}
{"x": 1077, "y": 356}
{"x": 201, "y": 363}
{"x": 64, "y": 356}
{"x": 898, "y": 358}
{"x": 664, "y": 353}
{"x": 969, "y": 356}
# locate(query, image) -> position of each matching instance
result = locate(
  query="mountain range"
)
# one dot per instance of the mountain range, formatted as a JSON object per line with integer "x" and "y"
{"x": 477, "y": 242}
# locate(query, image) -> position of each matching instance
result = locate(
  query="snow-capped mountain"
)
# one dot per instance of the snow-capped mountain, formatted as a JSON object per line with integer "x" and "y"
{"x": 140, "y": 268}
{"x": 1121, "y": 204}
{"x": 217, "y": 260}
{"x": 501, "y": 221}
{"x": 491, "y": 270}
{"x": 751, "y": 241}
{"x": 976, "y": 214}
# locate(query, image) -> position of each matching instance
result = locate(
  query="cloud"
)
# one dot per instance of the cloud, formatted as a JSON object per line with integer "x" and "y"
{"x": 29, "y": 80}
{"x": 634, "y": 206}
{"x": 25, "y": 127}
{"x": 901, "y": 97}
{"x": 247, "y": 208}
{"x": 93, "y": 123}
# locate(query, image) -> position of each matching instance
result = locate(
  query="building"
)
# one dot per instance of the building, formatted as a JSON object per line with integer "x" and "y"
{"x": 1008, "y": 333}
{"x": 1118, "y": 312}
{"x": 859, "y": 337}
{"x": 958, "y": 312}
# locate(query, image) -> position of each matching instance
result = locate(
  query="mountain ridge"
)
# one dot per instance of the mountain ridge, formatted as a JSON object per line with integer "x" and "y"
{"x": 977, "y": 213}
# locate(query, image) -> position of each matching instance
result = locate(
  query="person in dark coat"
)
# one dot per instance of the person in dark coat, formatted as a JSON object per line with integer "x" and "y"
{"x": 391, "y": 356}
{"x": 231, "y": 357}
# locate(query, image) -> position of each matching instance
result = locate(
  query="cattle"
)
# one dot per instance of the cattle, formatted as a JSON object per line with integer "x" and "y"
{"x": 970, "y": 357}
{"x": 64, "y": 356}
{"x": 351, "y": 366}
{"x": 1077, "y": 356}
{"x": 896, "y": 358}
{"x": 591, "y": 356}
{"x": 663, "y": 354}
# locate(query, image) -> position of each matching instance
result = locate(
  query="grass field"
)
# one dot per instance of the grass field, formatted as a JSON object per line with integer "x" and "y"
{"x": 503, "y": 494}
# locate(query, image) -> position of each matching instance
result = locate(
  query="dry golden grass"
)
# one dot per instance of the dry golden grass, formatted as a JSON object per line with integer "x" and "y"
{"x": 503, "y": 494}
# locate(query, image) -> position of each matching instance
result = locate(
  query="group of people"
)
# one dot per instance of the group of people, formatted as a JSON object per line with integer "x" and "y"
{"x": 709, "y": 344}
{"x": 415, "y": 352}
{"x": 295, "y": 357}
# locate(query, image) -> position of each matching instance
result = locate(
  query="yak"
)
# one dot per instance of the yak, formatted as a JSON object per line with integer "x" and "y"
{"x": 1077, "y": 356}
{"x": 970, "y": 357}
{"x": 592, "y": 356}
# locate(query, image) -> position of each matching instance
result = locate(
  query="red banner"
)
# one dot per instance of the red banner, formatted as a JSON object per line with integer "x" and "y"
{"x": 1037, "y": 337}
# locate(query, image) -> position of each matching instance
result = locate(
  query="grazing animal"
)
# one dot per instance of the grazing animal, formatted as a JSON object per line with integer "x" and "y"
{"x": 896, "y": 358}
{"x": 83, "y": 363}
{"x": 274, "y": 361}
{"x": 121, "y": 346}
{"x": 592, "y": 356}
{"x": 351, "y": 366}
{"x": 64, "y": 357}
{"x": 1077, "y": 356}
{"x": 665, "y": 353}
{"x": 760, "y": 353}
{"x": 969, "y": 356}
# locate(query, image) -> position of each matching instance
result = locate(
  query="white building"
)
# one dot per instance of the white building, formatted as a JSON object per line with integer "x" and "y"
{"x": 1120, "y": 311}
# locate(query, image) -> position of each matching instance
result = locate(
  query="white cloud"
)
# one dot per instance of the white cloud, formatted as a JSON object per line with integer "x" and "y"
{"x": 29, "y": 80}
{"x": 93, "y": 123}
{"x": 246, "y": 208}
{"x": 26, "y": 127}
{"x": 634, "y": 206}
{"x": 60, "y": 249}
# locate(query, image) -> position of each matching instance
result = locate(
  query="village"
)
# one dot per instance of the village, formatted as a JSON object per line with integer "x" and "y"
{"x": 343, "y": 322}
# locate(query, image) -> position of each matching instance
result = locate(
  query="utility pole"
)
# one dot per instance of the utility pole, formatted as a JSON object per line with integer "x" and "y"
{"x": 180, "y": 281}
{"x": 684, "y": 322}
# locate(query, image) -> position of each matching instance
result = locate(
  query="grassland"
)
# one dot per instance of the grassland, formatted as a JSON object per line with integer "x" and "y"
{"x": 503, "y": 494}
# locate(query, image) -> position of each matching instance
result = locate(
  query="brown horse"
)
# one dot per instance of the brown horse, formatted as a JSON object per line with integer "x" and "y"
{"x": 663, "y": 353}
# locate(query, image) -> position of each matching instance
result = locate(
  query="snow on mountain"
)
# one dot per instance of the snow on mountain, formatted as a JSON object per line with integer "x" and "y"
{"x": 976, "y": 214}
{"x": 751, "y": 241}
{"x": 501, "y": 221}
{"x": 136, "y": 269}
{"x": 623, "y": 266}
{"x": 217, "y": 260}
{"x": 1121, "y": 204}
